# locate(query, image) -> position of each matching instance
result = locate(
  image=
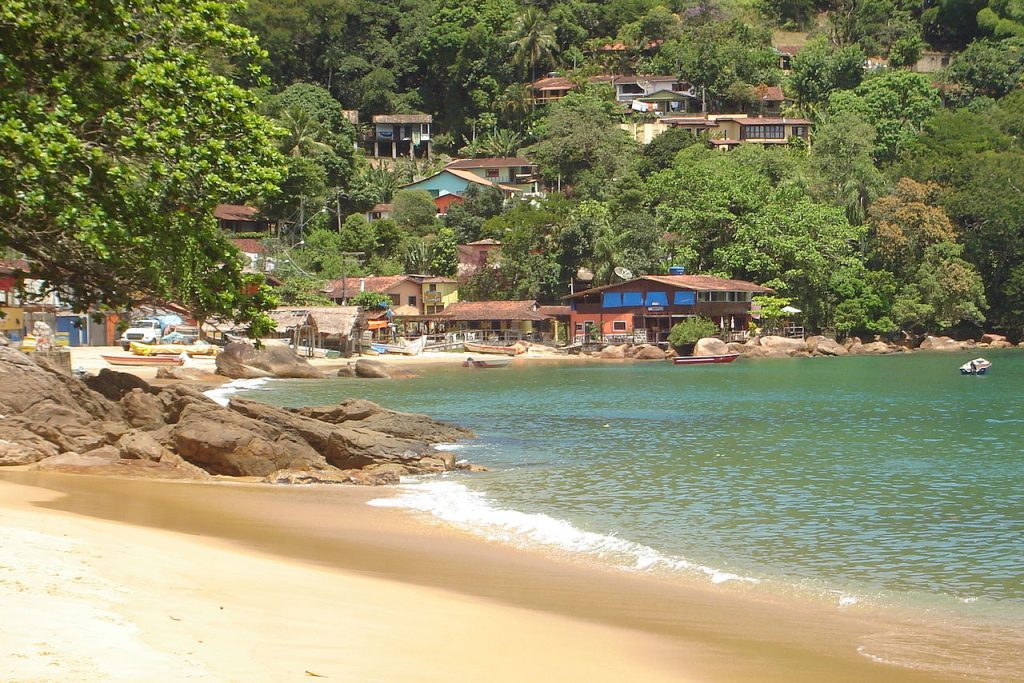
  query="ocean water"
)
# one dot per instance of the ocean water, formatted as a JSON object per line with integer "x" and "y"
{"x": 867, "y": 481}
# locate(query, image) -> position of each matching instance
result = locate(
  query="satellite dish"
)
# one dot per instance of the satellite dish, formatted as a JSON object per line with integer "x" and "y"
{"x": 624, "y": 273}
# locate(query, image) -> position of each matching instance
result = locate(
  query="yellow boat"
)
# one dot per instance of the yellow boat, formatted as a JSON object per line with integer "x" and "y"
{"x": 198, "y": 349}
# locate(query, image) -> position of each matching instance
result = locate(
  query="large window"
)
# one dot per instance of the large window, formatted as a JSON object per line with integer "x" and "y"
{"x": 412, "y": 300}
{"x": 492, "y": 172}
{"x": 618, "y": 326}
{"x": 760, "y": 132}
{"x": 630, "y": 89}
{"x": 684, "y": 298}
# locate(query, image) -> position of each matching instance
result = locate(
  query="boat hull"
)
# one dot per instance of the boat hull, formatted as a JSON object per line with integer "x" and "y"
{"x": 488, "y": 348}
{"x": 140, "y": 349}
{"x": 704, "y": 360}
{"x": 143, "y": 361}
{"x": 495, "y": 362}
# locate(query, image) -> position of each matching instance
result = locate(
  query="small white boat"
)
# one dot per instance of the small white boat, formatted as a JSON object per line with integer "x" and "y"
{"x": 412, "y": 348}
{"x": 978, "y": 366}
{"x": 488, "y": 362}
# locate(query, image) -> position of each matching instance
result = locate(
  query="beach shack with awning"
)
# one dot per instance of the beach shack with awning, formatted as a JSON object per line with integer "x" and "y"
{"x": 501, "y": 320}
{"x": 645, "y": 308}
{"x": 335, "y": 328}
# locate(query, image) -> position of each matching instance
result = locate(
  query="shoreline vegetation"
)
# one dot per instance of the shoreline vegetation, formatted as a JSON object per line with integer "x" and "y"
{"x": 200, "y": 579}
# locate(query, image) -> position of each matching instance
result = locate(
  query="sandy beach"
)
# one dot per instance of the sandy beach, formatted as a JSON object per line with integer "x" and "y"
{"x": 110, "y": 580}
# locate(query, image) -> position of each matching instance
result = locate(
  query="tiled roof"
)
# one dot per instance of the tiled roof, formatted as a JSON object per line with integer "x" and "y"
{"x": 249, "y": 246}
{"x": 699, "y": 283}
{"x": 354, "y": 285}
{"x": 474, "y": 178}
{"x": 440, "y": 280}
{"x": 553, "y": 83}
{"x": 789, "y": 49}
{"x": 382, "y": 208}
{"x": 403, "y": 118}
{"x": 236, "y": 212}
{"x": 770, "y": 93}
{"x": 491, "y": 162}
{"x": 8, "y": 266}
{"x": 763, "y": 120}
{"x": 492, "y": 310}
{"x": 484, "y": 242}
{"x": 555, "y": 310}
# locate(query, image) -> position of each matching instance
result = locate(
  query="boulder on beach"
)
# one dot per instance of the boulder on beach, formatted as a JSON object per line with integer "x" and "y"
{"x": 825, "y": 346}
{"x": 613, "y": 352}
{"x": 710, "y": 346}
{"x": 931, "y": 343}
{"x": 372, "y": 369}
{"x": 244, "y": 361}
{"x": 783, "y": 346}
{"x": 991, "y": 337}
{"x": 649, "y": 352}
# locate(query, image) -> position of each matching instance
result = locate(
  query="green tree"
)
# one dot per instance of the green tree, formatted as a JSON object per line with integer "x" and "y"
{"x": 819, "y": 69}
{"x": 414, "y": 211}
{"x": 987, "y": 69}
{"x": 444, "y": 253}
{"x": 370, "y": 300}
{"x": 115, "y": 148}
{"x": 690, "y": 331}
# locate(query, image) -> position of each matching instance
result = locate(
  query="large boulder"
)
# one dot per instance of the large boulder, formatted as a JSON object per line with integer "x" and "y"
{"x": 875, "y": 348}
{"x": 175, "y": 398}
{"x": 991, "y": 337}
{"x": 783, "y": 345}
{"x": 372, "y": 369}
{"x": 26, "y": 384}
{"x": 142, "y": 409}
{"x": 614, "y": 352}
{"x": 242, "y": 361}
{"x": 222, "y": 441}
{"x": 825, "y": 346}
{"x": 67, "y": 428}
{"x": 931, "y": 343}
{"x": 710, "y": 346}
{"x": 21, "y": 446}
{"x": 368, "y": 415}
{"x": 113, "y": 385}
{"x": 648, "y": 352}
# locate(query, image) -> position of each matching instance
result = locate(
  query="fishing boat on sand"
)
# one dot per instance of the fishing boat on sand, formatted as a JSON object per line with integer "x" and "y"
{"x": 412, "y": 348}
{"x": 514, "y": 350}
{"x": 143, "y": 361}
{"x": 196, "y": 349}
{"x": 703, "y": 360}
{"x": 490, "y": 362}
{"x": 978, "y": 366}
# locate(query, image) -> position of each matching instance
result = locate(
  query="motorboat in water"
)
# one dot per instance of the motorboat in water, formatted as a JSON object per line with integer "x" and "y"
{"x": 702, "y": 360}
{"x": 978, "y": 366}
{"x": 489, "y": 362}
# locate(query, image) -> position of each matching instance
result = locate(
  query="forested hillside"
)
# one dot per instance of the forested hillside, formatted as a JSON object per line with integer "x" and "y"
{"x": 902, "y": 209}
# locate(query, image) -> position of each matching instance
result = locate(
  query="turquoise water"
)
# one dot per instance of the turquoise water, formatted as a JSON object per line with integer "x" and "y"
{"x": 876, "y": 480}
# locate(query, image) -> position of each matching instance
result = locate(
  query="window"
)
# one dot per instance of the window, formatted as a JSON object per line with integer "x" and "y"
{"x": 618, "y": 326}
{"x": 630, "y": 89}
{"x": 684, "y": 298}
{"x": 395, "y": 301}
{"x": 632, "y": 299}
{"x": 579, "y": 327}
{"x": 432, "y": 287}
{"x": 412, "y": 300}
{"x": 680, "y": 87}
{"x": 657, "y": 298}
{"x": 491, "y": 172}
{"x": 611, "y": 299}
{"x": 761, "y": 132}
{"x": 799, "y": 132}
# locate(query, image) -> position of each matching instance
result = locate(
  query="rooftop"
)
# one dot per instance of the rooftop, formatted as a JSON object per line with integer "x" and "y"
{"x": 236, "y": 212}
{"x": 403, "y": 118}
{"x": 249, "y": 246}
{"x": 492, "y": 310}
{"x": 351, "y": 286}
{"x": 698, "y": 283}
{"x": 489, "y": 162}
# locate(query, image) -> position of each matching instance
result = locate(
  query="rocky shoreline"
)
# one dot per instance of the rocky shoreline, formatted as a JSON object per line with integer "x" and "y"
{"x": 117, "y": 423}
{"x": 781, "y": 347}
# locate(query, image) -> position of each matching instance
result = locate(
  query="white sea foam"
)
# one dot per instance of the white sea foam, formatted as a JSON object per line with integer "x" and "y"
{"x": 456, "y": 504}
{"x": 449, "y": 446}
{"x": 222, "y": 393}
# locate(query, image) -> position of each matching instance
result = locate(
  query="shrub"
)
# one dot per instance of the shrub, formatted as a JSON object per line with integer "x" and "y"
{"x": 690, "y": 331}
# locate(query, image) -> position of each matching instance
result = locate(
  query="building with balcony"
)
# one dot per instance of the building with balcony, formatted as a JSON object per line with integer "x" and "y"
{"x": 644, "y": 309}
{"x": 400, "y": 135}
{"x": 510, "y": 171}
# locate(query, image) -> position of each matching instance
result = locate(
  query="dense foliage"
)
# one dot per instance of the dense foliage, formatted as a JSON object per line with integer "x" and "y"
{"x": 902, "y": 212}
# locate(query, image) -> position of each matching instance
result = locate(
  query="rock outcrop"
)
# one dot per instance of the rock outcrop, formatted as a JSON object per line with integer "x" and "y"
{"x": 243, "y": 361}
{"x": 60, "y": 424}
{"x": 941, "y": 344}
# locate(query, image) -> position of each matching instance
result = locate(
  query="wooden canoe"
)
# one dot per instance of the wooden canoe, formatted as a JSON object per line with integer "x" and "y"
{"x": 492, "y": 362}
{"x": 473, "y": 347}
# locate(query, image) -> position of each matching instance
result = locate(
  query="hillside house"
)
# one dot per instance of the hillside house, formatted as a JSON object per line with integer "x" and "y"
{"x": 725, "y": 131}
{"x": 476, "y": 255}
{"x": 438, "y": 293}
{"x": 455, "y": 181}
{"x": 644, "y": 309}
{"x": 380, "y": 212}
{"x": 405, "y": 135}
{"x": 786, "y": 53}
{"x": 511, "y": 171}
{"x": 240, "y": 218}
{"x": 664, "y": 93}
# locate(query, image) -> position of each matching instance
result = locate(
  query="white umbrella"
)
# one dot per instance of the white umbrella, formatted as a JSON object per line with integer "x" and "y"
{"x": 791, "y": 309}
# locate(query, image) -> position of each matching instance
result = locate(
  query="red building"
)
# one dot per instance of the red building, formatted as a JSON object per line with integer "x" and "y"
{"x": 644, "y": 309}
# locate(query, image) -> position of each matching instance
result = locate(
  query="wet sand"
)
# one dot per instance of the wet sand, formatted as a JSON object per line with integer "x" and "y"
{"x": 250, "y": 582}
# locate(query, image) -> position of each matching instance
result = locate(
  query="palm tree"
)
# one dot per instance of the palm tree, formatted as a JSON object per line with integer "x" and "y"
{"x": 498, "y": 143}
{"x": 533, "y": 40}
{"x": 302, "y": 133}
{"x": 381, "y": 181}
